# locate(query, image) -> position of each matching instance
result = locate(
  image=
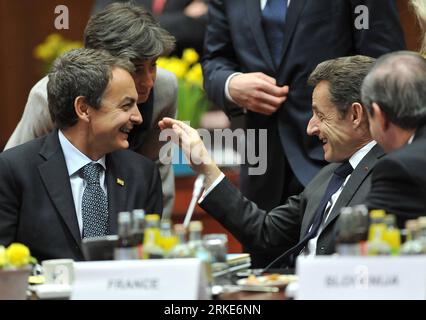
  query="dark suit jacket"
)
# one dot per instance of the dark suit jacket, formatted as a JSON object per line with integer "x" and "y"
{"x": 315, "y": 30}
{"x": 281, "y": 228}
{"x": 399, "y": 181}
{"x": 36, "y": 204}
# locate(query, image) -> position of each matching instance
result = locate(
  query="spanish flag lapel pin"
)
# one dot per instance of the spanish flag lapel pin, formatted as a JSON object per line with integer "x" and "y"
{"x": 120, "y": 182}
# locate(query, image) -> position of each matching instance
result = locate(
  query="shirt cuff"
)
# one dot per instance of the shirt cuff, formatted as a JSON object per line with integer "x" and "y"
{"x": 227, "y": 95}
{"x": 212, "y": 186}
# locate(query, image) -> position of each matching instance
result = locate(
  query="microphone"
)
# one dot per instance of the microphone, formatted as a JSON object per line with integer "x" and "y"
{"x": 198, "y": 186}
{"x": 269, "y": 266}
{"x": 282, "y": 257}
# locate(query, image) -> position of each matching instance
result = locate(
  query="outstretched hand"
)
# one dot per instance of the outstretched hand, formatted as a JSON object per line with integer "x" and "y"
{"x": 193, "y": 147}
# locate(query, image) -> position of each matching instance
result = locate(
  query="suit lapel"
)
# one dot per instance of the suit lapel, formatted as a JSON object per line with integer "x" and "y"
{"x": 116, "y": 186}
{"x": 293, "y": 12}
{"x": 55, "y": 177}
{"x": 360, "y": 173}
{"x": 255, "y": 22}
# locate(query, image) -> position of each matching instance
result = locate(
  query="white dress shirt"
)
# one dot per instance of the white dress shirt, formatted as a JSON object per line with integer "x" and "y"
{"x": 227, "y": 95}
{"x": 354, "y": 161}
{"x": 75, "y": 160}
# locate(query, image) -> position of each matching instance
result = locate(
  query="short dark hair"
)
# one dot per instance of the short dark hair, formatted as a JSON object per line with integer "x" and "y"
{"x": 345, "y": 76}
{"x": 397, "y": 84}
{"x": 127, "y": 30}
{"x": 80, "y": 72}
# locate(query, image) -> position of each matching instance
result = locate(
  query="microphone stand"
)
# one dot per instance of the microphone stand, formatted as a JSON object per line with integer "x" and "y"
{"x": 198, "y": 186}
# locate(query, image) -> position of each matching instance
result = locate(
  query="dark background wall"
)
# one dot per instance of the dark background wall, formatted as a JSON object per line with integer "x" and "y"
{"x": 26, "y": 23}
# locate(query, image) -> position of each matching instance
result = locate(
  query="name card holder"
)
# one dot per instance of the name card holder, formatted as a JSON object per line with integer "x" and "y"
{"x": 169, "y": 279}
{"x": 361, "y": 278}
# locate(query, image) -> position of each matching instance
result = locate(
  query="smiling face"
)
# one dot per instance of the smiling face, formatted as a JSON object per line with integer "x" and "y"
{"x": 110, "y": 125}
{"x": 144, "y": 76}
{"x": 336, "y": 133}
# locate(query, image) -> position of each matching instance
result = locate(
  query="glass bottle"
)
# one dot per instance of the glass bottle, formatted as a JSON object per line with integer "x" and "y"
{"x": 352, "y": 231}
{"x": 376, "y": 243}
{"x": 181, "y": 249}
{"x": 392, "y": 234}
{"x": 167, "y": 239}
{"x": 198, "y": 250}
{"x": 125, "y": 244}
{"x": 151, "y": 247}
{"x": 138, "y": 230}
{"x": 412, "y": 245}
{"x": 422, "y": 233}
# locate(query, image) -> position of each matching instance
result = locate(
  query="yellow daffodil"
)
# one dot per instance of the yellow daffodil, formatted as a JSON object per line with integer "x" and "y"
{"x": 190, "y": 56}
{"x": 18, "y": 255}
{"x": 178, "y": 67}
{"x": 3, "y": 259}
{"x": 54, "y": 46}
{"x": 192, "y": 101}
{"x": 54, "y": 38}
{"x": 163, "y": 62}
{"x": 42, "y": 52}
{"x": 195, "y": 75}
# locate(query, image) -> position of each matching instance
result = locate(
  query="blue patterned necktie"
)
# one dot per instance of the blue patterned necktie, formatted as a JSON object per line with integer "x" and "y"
{"x": 94, "y": 206}
{"x": 339, "y": 176}
{"x": 273, "y": 19}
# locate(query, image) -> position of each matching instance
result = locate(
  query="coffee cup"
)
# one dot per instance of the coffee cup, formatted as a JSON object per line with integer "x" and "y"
{"x": 58, "y": 271}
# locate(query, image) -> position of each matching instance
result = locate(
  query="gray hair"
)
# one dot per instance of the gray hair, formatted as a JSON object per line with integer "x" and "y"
{"x": 127, "y": 30}
{"x": 397, "y": 83}
{"x": 80, "y": 72}
{"x": 344, "y": 75}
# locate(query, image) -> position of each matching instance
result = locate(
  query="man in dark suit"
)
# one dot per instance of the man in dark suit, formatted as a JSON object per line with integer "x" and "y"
{"x": 71, "y": 183}
{"x": 129, "y": 31}
{"x": 394, "y": 92}
{"x": 258, "y": 57}
{"x": 341, "y": 124}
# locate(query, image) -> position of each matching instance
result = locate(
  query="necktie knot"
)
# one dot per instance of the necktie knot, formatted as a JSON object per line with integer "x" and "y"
{"x": 344, "y": 170}
{"x": 91, "y": 173}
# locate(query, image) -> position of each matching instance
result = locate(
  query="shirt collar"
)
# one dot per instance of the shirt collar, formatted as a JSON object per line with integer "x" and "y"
{"x": 360, "y": 154}
{"x": 74, "y": 158}
{"x": 263, "y": 3}
{"x": 411, "y": 138}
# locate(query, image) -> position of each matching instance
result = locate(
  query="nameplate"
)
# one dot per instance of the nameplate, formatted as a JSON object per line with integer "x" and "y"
{"x": 139, "y": 279}
{"x": 362, "y": 278}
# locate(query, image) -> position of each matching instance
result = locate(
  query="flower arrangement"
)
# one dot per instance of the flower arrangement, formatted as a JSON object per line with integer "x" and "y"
{"x": 192, "y": 101}
{"x": 15, "y": 256}
{"x": 54, "y": 46}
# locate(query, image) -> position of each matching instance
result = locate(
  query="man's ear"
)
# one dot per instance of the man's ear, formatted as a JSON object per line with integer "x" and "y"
{"x": 382, "y": 119}
{"x": 81, "y": 109}
{"x": 357, "y": 114}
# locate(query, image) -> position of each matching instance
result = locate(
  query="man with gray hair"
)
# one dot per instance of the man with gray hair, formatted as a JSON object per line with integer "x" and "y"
{"x": 307, "y": 221}
{"x": 394, "y": 92}
{"x": 71, "y": 183}
{"x": 129, "y": 31}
